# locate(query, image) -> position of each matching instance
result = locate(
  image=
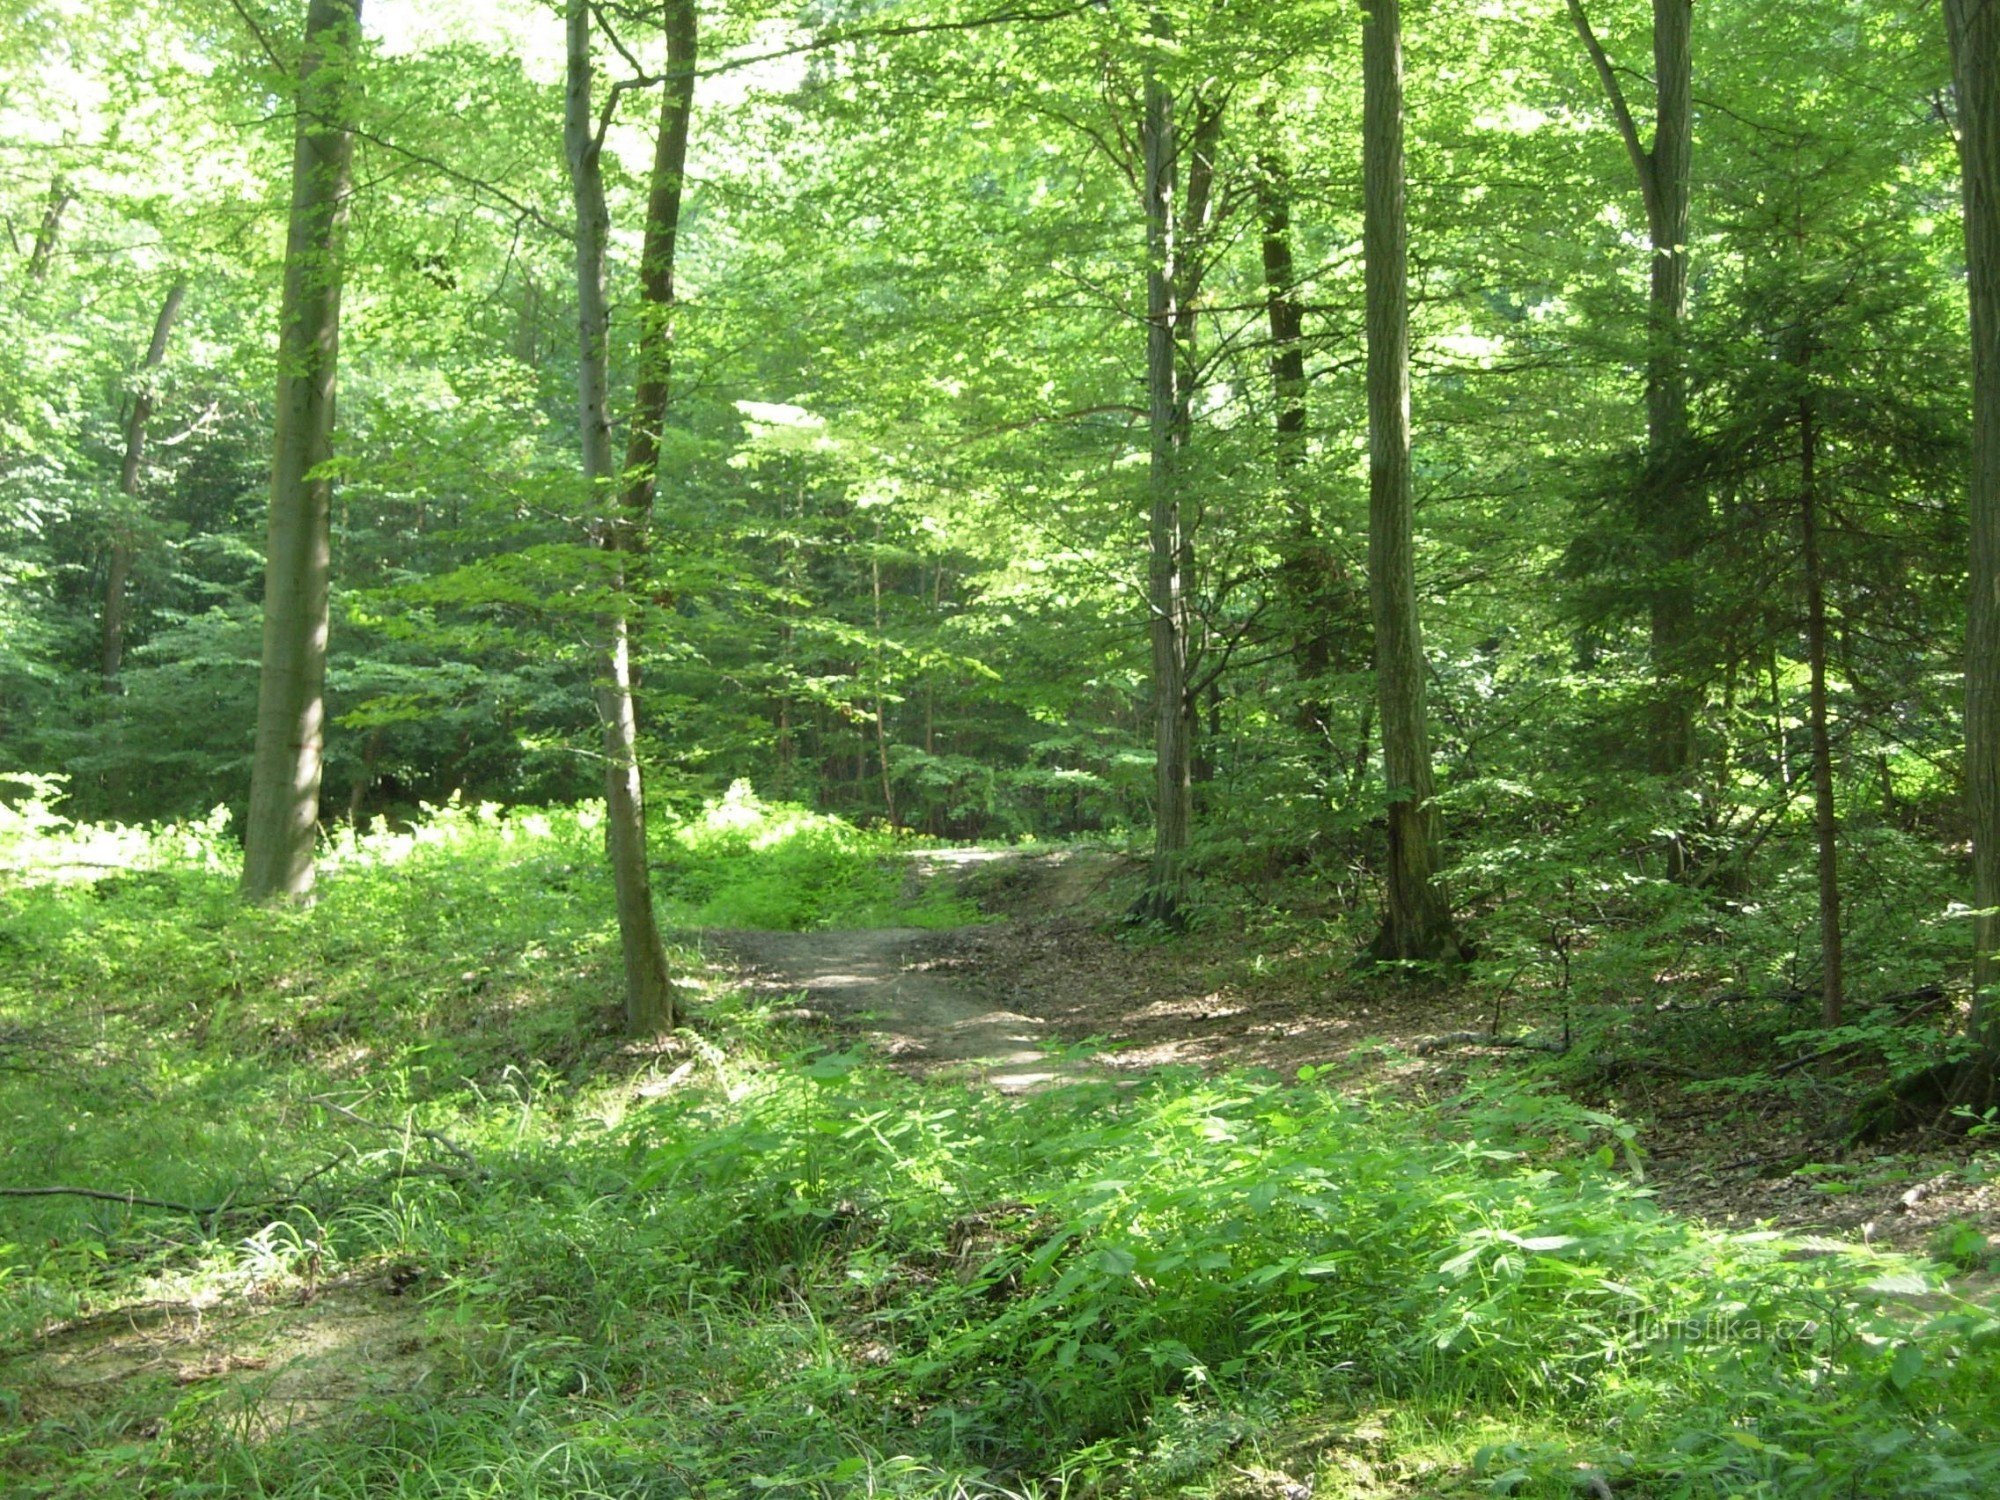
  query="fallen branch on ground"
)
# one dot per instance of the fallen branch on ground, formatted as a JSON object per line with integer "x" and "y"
{"x": 406, "y": 1129}
{"x": 133, "y": 1200}
{"x": 1928, "y": 999}
{"x": 1431, "y": 1044}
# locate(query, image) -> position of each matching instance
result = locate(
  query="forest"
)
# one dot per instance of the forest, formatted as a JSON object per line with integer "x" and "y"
{"x": 1000, "y": 749}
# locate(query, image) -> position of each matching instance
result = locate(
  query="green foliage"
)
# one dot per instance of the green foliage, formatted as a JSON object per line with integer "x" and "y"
{"x": 743, "y": 862}
{"x": 763, "y": 1268}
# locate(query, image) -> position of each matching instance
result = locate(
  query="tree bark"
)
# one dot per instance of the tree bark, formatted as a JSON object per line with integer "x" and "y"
{"x": 1167, "y": 549}
{"x": 658, "y": 258}
{"x": 1306, "y": 574}
{"x": 113, "y": 656}
{"x": 50, "y": 229}
{"x": 1826, "y": 822}
{"x": 286, "y": 763}
{"x": 1973, "y": 27}
{"x": 1416, "y": 923}
{"x": 1673, "y": 513}
{"x": 649, "y": 995}
{"x": 881, "y": 686}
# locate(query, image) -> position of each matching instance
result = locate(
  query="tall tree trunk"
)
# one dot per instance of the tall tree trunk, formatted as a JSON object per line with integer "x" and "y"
{"x": 1826, "y": 822}
{"x": 1974, "y": 30}
{"x": 658, "y": 263}
{"x": 1673, "y": 507}
{"x": 50, "y": 229}
{"x": 1307, "y": 572}
{"x": 286, "y": 764}
{"x": 1166, "y": 591}
{"x": 881, "y": 686}
{"x": 649, "y": 994}
{"x": 128, "y": 485}
{"x": 1416, "y": 924}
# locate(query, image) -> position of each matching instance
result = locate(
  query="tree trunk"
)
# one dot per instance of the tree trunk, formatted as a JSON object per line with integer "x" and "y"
{"x": 50, "y": 229}
{"x": 128, "y": 486}
{"x": 649, "y": 994}
{"x": 1675, "y": 502}
{"x": 1974, "y": 30}
{"x": 1416, "y": 923}
{"x": 1826, "y": 824}
{"x": 1166, "y": 593}
{"x": 881, "y": 686}
{"x": 286, "y": 763}
{"x": 1306, "y": 575}
{"x": 1673, "y": 513}
{"x": 657, "y": 265}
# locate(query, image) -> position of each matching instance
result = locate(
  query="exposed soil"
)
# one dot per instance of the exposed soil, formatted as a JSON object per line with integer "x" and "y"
{"x": 1019, "y": 1000}
{"x": 268, "y": 1364}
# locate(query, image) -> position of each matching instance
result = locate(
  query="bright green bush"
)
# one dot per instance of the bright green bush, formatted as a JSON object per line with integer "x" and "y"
{"x": 744, "y": 862}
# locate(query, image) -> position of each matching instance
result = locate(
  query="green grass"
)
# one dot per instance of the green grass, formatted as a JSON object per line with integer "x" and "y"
{"x": 736, "y": 1264}
{"x": 743, "y": 862}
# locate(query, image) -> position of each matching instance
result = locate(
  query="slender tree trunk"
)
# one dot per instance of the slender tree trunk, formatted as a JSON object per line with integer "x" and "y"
{"x": 1416, "y": 923}
{"x": 881, "y": 670}
{"x": 649, "y": 994}
{"x": 128, "y": 486}
{"x": 1826, "y": 824}
{"x": 286, "y": 763}
{"x": 1677, "y": 503}
{"x": 50, "y": 229}
{"x": 1673, "y": 507}
{"x": 1307, "y": 570}
{"x": 528, "y": 322}
{"x": 1166, "y": 593}
{"x": 1974, "y": 30}
{"x": 658, "y": 263}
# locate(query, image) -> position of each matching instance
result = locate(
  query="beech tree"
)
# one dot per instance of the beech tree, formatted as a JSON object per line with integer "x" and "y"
{"x": 1416, "y": 922}
{"x": 1973, "y": 27}
{"x": 627, "y": 494}
{"x": 287, "y": 764}
{"x": 1672, "y": 508}
{"x": 137, "y": 419}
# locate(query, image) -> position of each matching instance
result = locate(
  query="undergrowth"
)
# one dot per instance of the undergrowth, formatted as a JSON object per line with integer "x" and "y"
{"x": 735, "y": 1264}
{"x": 744, "y": 862}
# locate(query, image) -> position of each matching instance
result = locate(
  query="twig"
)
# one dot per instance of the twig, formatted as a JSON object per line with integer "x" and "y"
{"x": 471, "y": 1161}
{"x": 1431, "y": 1044}
{"x": 133, "y": 1200}
{"x": 1928, "y": 999}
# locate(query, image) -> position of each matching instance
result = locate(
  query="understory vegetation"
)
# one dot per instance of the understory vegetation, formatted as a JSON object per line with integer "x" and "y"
{"x": 744, "y": 1259}
{"x": 963, "y": 748}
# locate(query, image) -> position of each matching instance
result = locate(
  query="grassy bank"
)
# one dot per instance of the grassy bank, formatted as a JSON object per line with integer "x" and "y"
{"x": 543, "y": 1262}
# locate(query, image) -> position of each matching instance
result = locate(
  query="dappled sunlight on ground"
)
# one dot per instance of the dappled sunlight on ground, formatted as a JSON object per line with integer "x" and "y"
{"x": 264, "y": 1363}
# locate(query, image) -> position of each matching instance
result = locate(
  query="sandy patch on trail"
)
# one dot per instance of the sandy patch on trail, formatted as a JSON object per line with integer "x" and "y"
{"x": 273, "y": 1365}
{"x": 881, "y": 984}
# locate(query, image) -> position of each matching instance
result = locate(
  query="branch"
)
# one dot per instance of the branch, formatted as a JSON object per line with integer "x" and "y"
{"x": 878, "y": 33}
{"x": 1202, "y": 684}
{"x": 1642, "y": 161}
{"x": 1059, "y": 416}
{"x": 258, "y": 32}
{"x": 405, "y": 1129}
{"x": 525, "y": 210}
{"x": 131, "y": 1199}
{"x": 617, "y": 43}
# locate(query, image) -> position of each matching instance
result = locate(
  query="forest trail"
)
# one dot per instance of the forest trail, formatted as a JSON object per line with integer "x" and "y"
{"x": 903, "y": 989}
{"x": 1046, "y": 989}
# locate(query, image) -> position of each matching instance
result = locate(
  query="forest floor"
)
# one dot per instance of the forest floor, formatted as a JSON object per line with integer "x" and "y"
{"x": 1049, "y": 987}
{"x": 464, "y": 1238}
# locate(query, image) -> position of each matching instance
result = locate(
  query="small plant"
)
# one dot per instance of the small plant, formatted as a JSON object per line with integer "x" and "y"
{"x": 1964, "y": 1246}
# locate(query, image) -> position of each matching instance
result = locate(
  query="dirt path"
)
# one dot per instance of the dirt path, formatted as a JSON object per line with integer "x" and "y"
{"x": 881, "y": 984}
{"x": 903, "y": 990}
{"x": 1008, "y": 1000}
